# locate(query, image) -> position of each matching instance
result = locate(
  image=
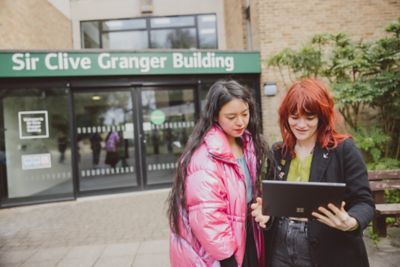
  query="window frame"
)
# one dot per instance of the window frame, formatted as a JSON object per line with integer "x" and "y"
{"x": 148, "y": 29}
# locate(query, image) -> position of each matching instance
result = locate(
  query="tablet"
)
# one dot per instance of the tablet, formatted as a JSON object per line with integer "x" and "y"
{"x": 299, "y": 199}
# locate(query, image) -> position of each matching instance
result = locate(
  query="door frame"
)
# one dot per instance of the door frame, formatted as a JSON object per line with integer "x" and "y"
{"x": 105, "y": 88}
{"x": 135, "y": 90}
{"x": 161, "y": 86}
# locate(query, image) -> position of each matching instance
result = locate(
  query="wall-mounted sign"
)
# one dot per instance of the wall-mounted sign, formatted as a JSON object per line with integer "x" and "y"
{"x": 85, "y": 63}
{"x": 33, "y": 124}
{"x": 36, "y": 161}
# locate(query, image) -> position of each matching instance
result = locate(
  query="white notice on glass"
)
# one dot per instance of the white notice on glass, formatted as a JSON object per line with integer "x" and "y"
{"x": 36, "y": 161}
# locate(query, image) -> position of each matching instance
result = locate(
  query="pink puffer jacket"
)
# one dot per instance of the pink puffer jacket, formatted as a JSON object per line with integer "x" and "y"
{"x": 213, "y": 224}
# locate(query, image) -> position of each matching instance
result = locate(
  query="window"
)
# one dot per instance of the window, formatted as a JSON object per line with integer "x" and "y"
{"x": 35, "y": 150}
{"x": 90, "y": 34}
{"x": 207, "y": 31}
{"x": 197, "y": 31}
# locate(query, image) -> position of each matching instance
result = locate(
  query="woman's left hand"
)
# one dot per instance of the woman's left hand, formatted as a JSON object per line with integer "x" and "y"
{"x": 336, "y": 218}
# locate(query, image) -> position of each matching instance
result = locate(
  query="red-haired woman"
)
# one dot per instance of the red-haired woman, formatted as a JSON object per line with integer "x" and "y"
{"x": 313, "y": 151}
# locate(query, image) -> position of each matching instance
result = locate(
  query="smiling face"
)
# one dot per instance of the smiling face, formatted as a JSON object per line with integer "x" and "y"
{"x": 234, "y": 117}
{"x": 304, "y": 127}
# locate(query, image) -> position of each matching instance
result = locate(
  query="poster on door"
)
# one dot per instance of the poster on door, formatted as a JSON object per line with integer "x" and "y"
{"x": 33, "y": 124}
{"x": 36, "y": 161}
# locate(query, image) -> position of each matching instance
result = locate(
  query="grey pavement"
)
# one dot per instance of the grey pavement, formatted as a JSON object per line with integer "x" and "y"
{"x": 115, "y": 230}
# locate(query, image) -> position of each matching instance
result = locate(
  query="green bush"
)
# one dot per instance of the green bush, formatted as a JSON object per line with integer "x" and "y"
{"x": 364, "y": 76}
{"x": 392, "y": 196}
{"x": 372, "y": 143}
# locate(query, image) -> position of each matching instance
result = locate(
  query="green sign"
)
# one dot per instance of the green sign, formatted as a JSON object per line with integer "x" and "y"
{"x": 87, "y": 63}
{"x": 157, "y": 117}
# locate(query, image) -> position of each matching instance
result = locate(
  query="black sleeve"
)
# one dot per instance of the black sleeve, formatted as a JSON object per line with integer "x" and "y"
{"x": 270, "y": 223}
{"x": 359, "y": 203}
{"x": 229, "y": 262}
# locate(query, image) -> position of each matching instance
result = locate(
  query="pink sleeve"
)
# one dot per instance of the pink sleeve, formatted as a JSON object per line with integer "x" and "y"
{"x": 207, "y": 210}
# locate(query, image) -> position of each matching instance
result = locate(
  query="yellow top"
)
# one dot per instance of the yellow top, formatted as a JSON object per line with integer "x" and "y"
{"x": 300, "y": 169}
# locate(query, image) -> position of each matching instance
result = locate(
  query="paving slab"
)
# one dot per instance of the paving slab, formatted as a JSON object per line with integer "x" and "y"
{"x": 113, "y": 230}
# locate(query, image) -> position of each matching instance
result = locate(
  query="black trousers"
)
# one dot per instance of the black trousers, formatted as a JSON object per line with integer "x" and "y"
{"x": 250, "y": 254}
{"x": 291, "y": 245}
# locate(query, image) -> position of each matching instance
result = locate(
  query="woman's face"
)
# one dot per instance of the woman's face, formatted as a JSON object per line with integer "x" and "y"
{"x": 304, "y": 127}
{"x": 234, "y": 117}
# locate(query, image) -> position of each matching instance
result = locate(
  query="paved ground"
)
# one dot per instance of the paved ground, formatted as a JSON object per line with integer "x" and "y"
{"x": 117, "y": 230}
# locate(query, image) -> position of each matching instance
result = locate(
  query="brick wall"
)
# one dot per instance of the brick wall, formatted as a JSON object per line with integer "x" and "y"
{"x": 33, "y": 24}
{"x": 278, "y": 24}
{"x": 235, "y": 25}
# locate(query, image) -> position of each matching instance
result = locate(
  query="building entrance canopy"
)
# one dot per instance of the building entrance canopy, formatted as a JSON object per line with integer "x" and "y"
{"x": 86, "y": 122}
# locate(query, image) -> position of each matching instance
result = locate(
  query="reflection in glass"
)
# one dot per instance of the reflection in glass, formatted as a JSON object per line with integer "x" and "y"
{"x": 165, "y": 32}
{"x": 105, "y": 135}
{"x": 90, "y": 34}
{"x": 207, "y": 31}
{"x": 164, "y": 22}
{"x": 36, "y": 154}
{"x": 168, "y": 120}
{"x": 124, "y": 24}
{"x": 125, "y": 40}
{"x": 171, "y": 38}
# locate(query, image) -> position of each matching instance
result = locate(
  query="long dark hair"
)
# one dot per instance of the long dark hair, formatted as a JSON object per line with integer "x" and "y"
{"x": 220, "y": 93}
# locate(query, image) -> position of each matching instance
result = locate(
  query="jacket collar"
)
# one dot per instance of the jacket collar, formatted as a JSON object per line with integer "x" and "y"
{"x": 217, "y": 144}
{"x": 320, "y": 160}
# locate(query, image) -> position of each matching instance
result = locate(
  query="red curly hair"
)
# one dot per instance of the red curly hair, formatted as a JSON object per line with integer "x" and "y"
{"x": 309, "y": 97}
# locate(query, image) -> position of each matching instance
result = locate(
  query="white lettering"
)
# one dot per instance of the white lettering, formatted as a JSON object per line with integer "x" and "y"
{"x": 229, "y": 63}
{"x": 103, "y": 60}
{"x": 62, "y": 61}
{"x": 177, "y": 60}
{"x": 114, "y": 61}
{"x": 162, "y": 62}
{"x": 86, "y": 63}
{"x": 19, "y": 61}
{"x": 24, "y": 61}
{"x": 199, "y": 60}
{"x": 143, "y": 64}
{"x": 124, "y": 63}
{"x": 48, "y": 61}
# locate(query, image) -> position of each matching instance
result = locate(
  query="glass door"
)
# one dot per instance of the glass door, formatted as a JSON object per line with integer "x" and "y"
{"x": 131, "y": 137}
{"x": 168, "y": 117}
{"x": 35, "y": 151}
{"x": 105, "y": 136}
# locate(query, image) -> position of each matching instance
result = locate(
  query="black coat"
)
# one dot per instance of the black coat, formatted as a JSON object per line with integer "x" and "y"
{"x": 330, "y": 247}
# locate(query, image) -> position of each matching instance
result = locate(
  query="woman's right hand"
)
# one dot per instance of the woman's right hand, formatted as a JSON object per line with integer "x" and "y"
{"x": 257, "y": 213}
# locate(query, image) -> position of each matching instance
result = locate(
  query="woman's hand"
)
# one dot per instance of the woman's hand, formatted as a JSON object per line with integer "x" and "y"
{"x": 257, "y": 213}
{"x": 336, "y": 218}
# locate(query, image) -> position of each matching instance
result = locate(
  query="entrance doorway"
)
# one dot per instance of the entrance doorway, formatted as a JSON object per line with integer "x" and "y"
{"x": 131, "y": 137}
{"x": 168, "y": 118}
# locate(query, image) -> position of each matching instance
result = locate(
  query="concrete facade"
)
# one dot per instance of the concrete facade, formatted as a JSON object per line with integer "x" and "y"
{"x": 278, "y": 24}
{"x": 33, "y": 24}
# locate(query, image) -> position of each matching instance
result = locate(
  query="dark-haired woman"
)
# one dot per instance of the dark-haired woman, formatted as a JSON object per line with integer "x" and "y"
{"x": 215, "y": 183}
{"x": 313, "y": 151}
